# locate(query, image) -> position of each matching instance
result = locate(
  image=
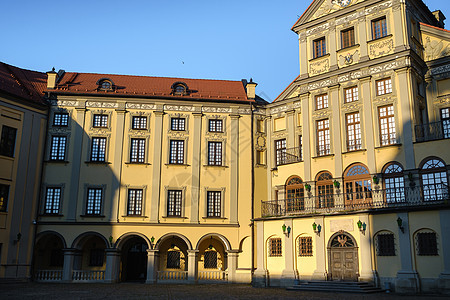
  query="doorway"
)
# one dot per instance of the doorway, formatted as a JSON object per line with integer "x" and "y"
{"x": 134, "y": 260}
{"x": 343, "y": 257}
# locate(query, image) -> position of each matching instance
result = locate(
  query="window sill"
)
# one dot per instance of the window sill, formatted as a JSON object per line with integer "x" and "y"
{"x": 319, "y": 57}
{"x": 56, "y": 161}
{"x": 97, "y": 162}
{"x": 390, "y": 145}
{"x": 380, "y": 38}
{"x": 348, "y": 48}
{"x": 137, "y": 163}
{"x": 92, "y": 216}
{"x": 352, "y": 151}
{"x": 174, "y": 217}
{"x": 215, "y": 166}
{"x": 214, "y": 218}
{"x": 134, "y": 216}
{"x": 51, "y": 215}
{"x": 181, "y": 165}
{"x": 320, "y": 156}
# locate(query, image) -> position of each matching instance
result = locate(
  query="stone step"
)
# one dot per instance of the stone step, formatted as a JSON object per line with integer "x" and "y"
{"x": 336, "y": 286}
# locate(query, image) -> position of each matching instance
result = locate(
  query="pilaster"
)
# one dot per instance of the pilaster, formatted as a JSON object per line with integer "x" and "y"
{"x": 366, "y": 267}
{"x": 234, "y": 168}
{"x": 306, "y": 135}
{"x": 196, "y": 161}
{"x": 232, "y": 263}
{"x": 156, "y": 176}
{"x": 69, "y": 258}
{"x": 288, "y": 275}
{"x": 290, "y": 128}
{"x": 336, "y": 128}
{"x": 117, "y": 161}
{"x": 320, "y": 273}
{"x": 367, "y": 118}
{"x": 260, "y": 274}
{"x": 192, "y": 266}
{"x": 444, "y": 277}
{"x": 112, "y": 265}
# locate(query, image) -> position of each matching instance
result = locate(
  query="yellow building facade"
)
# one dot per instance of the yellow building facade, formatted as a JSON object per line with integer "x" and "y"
{"x": 357, "y": 159}
{"x": 146, "y": 179}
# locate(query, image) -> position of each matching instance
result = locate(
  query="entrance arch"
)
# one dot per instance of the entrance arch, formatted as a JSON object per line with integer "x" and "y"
{"x": 134, "y": 259}
{"x": 343, "y": 257}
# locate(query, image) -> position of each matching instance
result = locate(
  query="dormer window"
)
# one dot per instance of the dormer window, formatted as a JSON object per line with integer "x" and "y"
{"x": 179, "y": 88}
{"x": 105, "y": 84}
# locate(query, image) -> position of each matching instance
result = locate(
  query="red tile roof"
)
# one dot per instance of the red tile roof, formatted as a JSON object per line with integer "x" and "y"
{"x": 144, "y": 86}
{"x": 439, "y": 28}
{"x": 26, "y": 84}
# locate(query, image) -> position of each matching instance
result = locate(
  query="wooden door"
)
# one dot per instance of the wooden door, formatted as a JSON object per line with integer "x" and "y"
{"x": 344, "y": 264}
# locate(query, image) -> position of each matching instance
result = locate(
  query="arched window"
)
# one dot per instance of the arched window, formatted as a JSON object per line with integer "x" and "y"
{"x": 295, "y": 194}
{"x": 426, "y": 242}
{"x": 434, "y": 180}
{"x": 358, "y": 186}
{"x": 105, "y": 84}
{"x": 394, "y": 183}
{"x": 179, "y": 88}
{"x": 324, "y": 189}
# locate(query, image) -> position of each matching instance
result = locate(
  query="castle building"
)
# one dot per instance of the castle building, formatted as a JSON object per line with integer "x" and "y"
{"x": 357, "y": 151}
{"x": 344, "y": 177}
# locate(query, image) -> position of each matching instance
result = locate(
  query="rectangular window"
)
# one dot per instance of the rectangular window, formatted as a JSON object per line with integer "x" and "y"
{"x": 4, "y": 194}
{"x": 52, "y": 200}
{"x": 96, "y": 257}
{"x": 135, "y": 202}
{"x": 353, "y": 131}
{"x": 445, "y": 119}
{"x": 379, "y": 28}
{"x": 215, "y": 153}
{"x": 94, "y": 201}
{"x": 386, "y": 117}
{"x": 210, "y": 260}
{"x": 139, "y": 123}
{"x": 321, "y": 101}
{"x": 323, "y": 137}
{"x": 275, "y": 247}
{"x": 305, "y": 246}
{"x": 58, "y": 148}
{"x": 214, "y": 203}
{"x": 385, "y": 244}
{"x": 8, "y": 141}
{"x": 320, "y": 47}
{"x": 427, "y": 243}
{"x": 215, "y": 125}
{"x": 348, "y": 37}
{"x": 176, "y": 152}
{"x": 137, "y": 153}
{"x": 300, "y": 147}
{"x": 100, "y": 121}
{"x": 61, "y": 119}
{"x": 351, "y": 94}
{"x": 174, "y": 203}
{"x": 280, "y": 152}
{"x": 98, "y": 149}
{"x": 384, "y": 86}
{"x": 178, "y": 124}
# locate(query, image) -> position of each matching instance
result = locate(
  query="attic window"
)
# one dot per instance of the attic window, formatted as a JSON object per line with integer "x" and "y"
{"x": 179, "y": 88}
{"x": 105, "y": 84}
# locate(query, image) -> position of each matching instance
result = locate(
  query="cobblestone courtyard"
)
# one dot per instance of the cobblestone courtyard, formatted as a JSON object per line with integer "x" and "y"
{"x": 143, "y": 291}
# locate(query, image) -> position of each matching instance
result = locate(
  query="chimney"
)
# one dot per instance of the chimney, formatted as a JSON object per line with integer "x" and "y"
{"x": 251, "y": 87}
{"x": 439, "y": 17}
{"x": 51, "y": 79}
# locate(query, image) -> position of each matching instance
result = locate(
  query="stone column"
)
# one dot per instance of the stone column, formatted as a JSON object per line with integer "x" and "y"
{"x": 196, "y": 161}
{"x": 367, "y": 129}
{"x": 260, "y": 274}
{"x": 288, "y": 274}
{"x": 112, "y": 265}
{"x": 152, "y": 265}
{"x": 117, "y": 161}
{"x": 336, "y": 128}
{"x": 192, "y": 266}
{"x": 69, "y": 258}
{"x": 366, "y": 266}
{"x": 444, "y": 277}
{"x": 76, "y": 159}
{"x": 156, "y": 176}
{"x": 320, "y": 273}
{"x": 405, "y": 110}
{"x": 232, "y": 263}
{"x": 431, "y": 93}
{"x": 234, "y": 168}
{"x": 407, "y": 280}
{"x": 307, "y": 146}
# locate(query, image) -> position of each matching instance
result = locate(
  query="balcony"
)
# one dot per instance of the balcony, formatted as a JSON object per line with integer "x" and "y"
{"x": 360, "y": 200}
{"x": 432, "y": 131}
{"x": 289, "y": 156}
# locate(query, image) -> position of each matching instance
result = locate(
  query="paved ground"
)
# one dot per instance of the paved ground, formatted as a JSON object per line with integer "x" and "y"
{"x": 142, "y": 291}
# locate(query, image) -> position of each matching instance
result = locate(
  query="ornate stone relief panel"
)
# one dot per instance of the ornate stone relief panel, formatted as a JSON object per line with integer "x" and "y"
{"x": 348, "y": 58}
{"x": 381, "y": 47}
{"x": 102, "y": 104}
{"x": 330, "y": 6}
{"x": 319, "y": 66}
{"x": 435, "y": 48}
{"x": 140, "y": 106}
{"x": 440, "y": 70}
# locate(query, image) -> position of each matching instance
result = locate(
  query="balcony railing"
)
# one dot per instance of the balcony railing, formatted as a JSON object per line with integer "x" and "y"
{"x": 172, "y": 275}
{"x": 48, "y": 275}
{"x": 213, "y": 275}
{"x": 432, "y": 131}
{"x": 289, "y": 156}
{"x": 359, "y": 200}
{"x": 87, "y": 275}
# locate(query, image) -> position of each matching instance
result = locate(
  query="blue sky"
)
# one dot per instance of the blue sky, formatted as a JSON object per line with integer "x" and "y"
{"x": 194, "y": 39}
